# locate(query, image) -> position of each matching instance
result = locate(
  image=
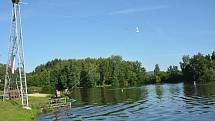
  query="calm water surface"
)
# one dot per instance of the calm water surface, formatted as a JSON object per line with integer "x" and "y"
{"x": 168, "y": 102}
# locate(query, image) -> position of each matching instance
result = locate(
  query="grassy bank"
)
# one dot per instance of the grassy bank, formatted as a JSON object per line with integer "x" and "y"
{"x": 13, "y": 111}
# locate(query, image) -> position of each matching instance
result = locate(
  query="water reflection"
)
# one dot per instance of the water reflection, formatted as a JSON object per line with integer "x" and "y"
{"x": 200, "y": 95}
{"x": 101, "y": 96}
{"x": 159, "y": 91}
{"x": 171, "y": 102}
{"x": 200, "y": 100}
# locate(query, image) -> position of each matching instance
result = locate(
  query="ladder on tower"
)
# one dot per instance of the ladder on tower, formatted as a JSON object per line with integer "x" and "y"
{"x": 16, "y": 80}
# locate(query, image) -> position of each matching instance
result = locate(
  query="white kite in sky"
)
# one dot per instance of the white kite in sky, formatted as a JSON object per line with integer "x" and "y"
{"x": 137, "y": 29}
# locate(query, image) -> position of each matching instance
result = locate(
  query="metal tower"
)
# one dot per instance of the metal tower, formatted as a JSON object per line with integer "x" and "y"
{"x": 15, "y": 78}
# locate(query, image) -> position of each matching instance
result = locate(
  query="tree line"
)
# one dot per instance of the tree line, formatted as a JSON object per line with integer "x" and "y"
{"x": 200, "y": 68}
{"x": 115, "y": 72}
{"x": 89, "y": 72}
{"x": 2, "y": 75}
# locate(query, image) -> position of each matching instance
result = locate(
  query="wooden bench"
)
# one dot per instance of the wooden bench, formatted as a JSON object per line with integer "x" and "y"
{"x": 13, "y": 94}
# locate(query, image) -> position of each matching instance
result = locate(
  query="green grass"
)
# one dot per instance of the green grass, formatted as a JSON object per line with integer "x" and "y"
{"x": 1, "y": 92}
{"x": 13, "y": 111}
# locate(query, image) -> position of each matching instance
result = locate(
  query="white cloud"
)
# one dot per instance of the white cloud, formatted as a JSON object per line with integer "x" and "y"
{"x": 139, "y": 10}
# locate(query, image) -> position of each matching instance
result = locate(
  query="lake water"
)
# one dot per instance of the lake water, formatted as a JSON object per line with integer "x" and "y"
{"x": 167, "y": 102}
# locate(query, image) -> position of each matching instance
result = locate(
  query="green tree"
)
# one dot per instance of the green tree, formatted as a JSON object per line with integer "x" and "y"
{"x": 198, "y": 68}
{"x": 173, "y": 75}
{"x": 89, "y": 76}
{"x": 2, "y": 73}
{"x": 157, "y": 74}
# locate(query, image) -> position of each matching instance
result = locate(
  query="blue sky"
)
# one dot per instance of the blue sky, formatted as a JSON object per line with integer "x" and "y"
{"x": 77, "y": 29}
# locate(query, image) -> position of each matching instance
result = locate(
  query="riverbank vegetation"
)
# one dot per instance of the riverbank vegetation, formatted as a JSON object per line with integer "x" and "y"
{"x": 200, "y": 68}
{"x": 13, "y": 111}
{"x": 115, "y": 72}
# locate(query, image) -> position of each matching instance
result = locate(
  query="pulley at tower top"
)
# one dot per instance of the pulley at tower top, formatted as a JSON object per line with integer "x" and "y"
{"x": 15, "y": 1}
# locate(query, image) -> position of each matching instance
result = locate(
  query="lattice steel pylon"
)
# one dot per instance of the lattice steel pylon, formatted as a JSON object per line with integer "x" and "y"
{"x": 15, "y": 78}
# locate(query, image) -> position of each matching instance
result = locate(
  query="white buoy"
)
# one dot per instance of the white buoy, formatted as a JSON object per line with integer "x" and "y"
{"x": 194, "y": 83}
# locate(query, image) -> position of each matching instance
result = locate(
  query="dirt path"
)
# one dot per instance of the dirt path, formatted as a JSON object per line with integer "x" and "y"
{"x": 38, "y": 95}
